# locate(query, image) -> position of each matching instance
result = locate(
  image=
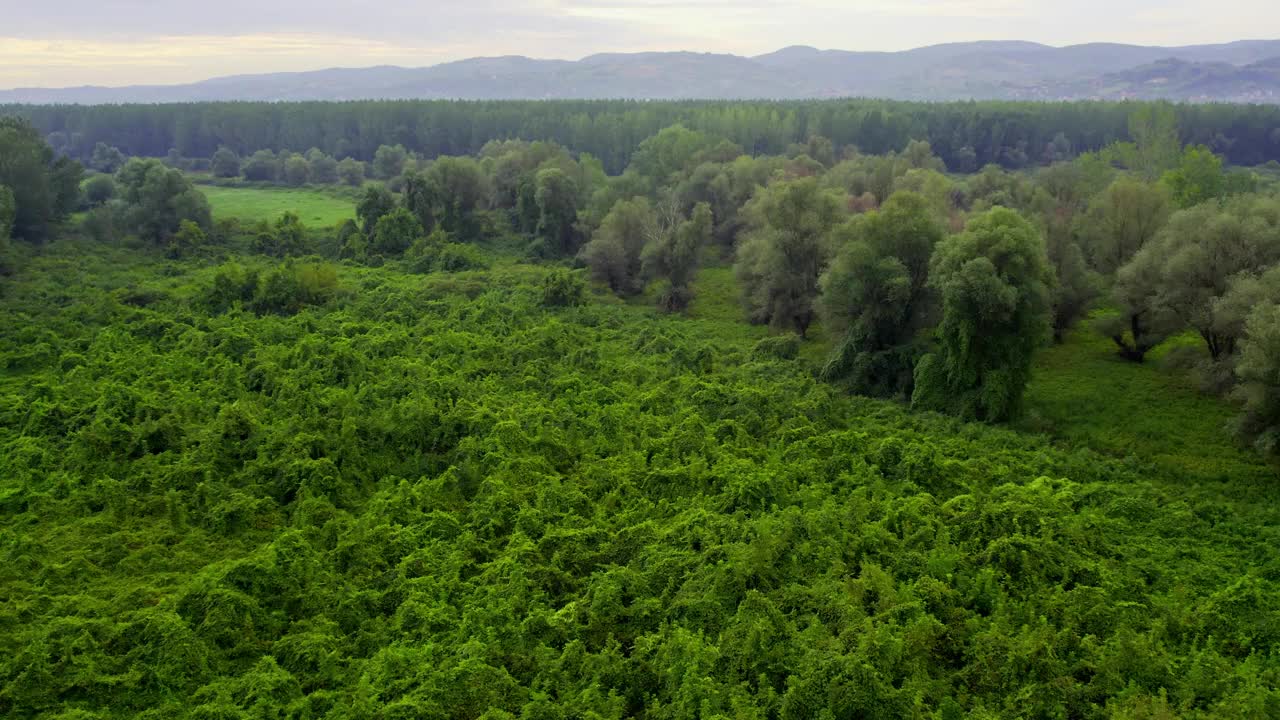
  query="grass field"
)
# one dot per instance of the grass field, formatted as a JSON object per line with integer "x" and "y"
{"x": 1083, "y": 394}
{"x": 317, "y": 208}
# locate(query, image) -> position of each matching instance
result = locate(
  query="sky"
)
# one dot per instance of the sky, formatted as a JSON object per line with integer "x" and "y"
{"x": 128, "y": 42}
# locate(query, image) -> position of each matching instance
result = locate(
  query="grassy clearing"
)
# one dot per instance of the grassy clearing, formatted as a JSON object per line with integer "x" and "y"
{"x": 317, "y": 208}
{"x": 1083, "y": 394}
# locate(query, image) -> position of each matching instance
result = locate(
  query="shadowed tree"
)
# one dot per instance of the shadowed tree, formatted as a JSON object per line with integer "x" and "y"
{"x": 875, "y": 297}
{"x": 785, "y": 251}
{"x": 614, "y": 252}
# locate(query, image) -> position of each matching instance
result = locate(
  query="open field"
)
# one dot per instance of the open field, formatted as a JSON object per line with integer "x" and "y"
{"x": 317, "y": 208}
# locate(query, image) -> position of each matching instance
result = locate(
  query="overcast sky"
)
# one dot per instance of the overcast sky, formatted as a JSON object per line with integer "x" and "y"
{"x": 122, "y": 42}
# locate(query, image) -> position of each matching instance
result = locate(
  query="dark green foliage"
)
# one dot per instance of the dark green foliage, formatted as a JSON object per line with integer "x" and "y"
{"x": 395, "y": 232}
{"x": 158, "y": 198}
{"x": 994, "y": 282}
{"x": 876, "y": 298}
{"x": 965, "y": 135}
{"x": 225, "y": 163}
{"x": 45, "y": 188}
{"x": 786, "y": 251}
{"x": 614, "y": 253}
{"x": 261, "y": 166}
{"x": 8, "y": 211}
{"x": 555, "y": 195}
{"x": 106, "y": 158}
{"x": 374, "y": 203}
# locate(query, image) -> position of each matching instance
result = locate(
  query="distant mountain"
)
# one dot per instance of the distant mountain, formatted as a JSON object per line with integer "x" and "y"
{"x": 1244, "y": 71}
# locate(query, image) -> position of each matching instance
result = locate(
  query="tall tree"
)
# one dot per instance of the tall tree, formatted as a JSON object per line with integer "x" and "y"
{"x": 875, "y": 297}
{"x": 672, "y": 254}
{"x": 1203, "y": 249}
{"x": 159, "y": 198}
{"x": 1259, "y": 374}
{"x": 225, "y": 163}
{"x": 8, "y": 211}
{"x": 786, "y": 251}
{"x": 613, "y": 254}
{"x": 45, "y": 188}
{"x": 556, "y": 197}
{"x": 374, "y": 203}
{"x": 1120, "y": 221}
{"x": 995, "y": 281}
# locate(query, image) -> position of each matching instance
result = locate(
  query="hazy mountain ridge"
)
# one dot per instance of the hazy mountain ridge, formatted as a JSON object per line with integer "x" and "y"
{"x": 1247, "y": 71}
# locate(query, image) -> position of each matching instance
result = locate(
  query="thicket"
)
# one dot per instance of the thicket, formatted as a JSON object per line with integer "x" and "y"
{"x": 414, "y": 466}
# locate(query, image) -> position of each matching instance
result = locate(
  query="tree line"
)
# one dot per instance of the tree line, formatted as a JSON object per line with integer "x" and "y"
{"x": 966, "y": 135}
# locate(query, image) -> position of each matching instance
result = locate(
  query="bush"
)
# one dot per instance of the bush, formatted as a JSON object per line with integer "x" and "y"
{"x": 563, "y": 289}
{"x": 778, "y": 347}
{"x": 456, "y": 257}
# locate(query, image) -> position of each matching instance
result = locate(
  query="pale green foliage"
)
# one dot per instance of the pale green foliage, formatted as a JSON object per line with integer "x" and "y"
{"x": 1245, "y": 292}
{"x": 324, "y": 169}
{"x": 351, "y": 172}
{"x": 875, "y": 297}
{"x": 1198, "y": 178}
{"x": 676, "y": 149}
{"x": 388, "y": 161}
{"x": 995, "y": 281}
{"x": 296, "y": 170}
{"x": 1259, "y": 372}
{"x": 1142, "y": 321}
{"x": 262, "y": 166}
{"x": 786, "y": 251}
{"x": 106, "y": 158}
{"x": 1120, "y": 221}
{"x": 158, "y": 199}
{"x": 1203, "y": 249}
{"x": 1155, "y": 145}
{"x": 98, "y": 189}
{"x": 673, "y": 256}
{"x": 613, "y": 253}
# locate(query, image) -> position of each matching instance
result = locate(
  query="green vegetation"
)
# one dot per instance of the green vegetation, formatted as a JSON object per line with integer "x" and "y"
{"x": 511, "y": 437}
{"x": 316, "y": 208}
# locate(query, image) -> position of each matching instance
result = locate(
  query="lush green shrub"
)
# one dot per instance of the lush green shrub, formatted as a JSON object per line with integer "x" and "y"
{"x": 562, "y": 288}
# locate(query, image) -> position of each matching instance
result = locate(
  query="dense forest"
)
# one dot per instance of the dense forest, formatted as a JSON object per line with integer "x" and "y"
{"x": 966, "y": 135}
{"x": 763, "y": 420}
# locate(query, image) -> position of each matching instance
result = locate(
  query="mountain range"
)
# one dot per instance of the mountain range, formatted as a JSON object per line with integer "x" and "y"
{"x": 1242, "y": 71}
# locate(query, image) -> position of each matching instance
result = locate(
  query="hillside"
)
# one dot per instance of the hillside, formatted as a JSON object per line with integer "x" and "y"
{"x": 956, "y": 71}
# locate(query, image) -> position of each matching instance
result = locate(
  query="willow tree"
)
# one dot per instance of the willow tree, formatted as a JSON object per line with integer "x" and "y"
{"x": 995, "y": 281}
